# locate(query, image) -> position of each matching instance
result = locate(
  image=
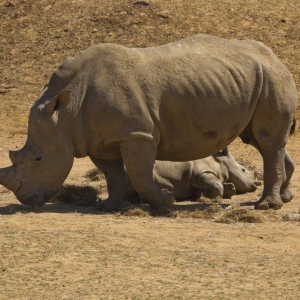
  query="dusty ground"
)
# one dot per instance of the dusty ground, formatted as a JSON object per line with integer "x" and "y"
{"x": 64, "y": 251}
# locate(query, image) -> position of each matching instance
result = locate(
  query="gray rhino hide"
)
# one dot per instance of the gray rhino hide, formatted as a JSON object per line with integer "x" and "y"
{"x": 219, "y": 175}
{"x": 181, "y": 101}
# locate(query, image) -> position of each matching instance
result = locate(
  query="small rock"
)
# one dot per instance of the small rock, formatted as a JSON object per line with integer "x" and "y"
{"x": 164, "y": 14}
{"x": 145, "y": 3}
{"x": 94, "y": 30}
{"x": 9, "y": 4}
{"x": 47, "y": 7}
{"x": 283, "y": 20}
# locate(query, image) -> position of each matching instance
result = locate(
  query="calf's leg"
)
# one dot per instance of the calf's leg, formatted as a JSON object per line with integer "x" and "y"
{"x": 229, "y": 189}
{"x": 208, "y": 184}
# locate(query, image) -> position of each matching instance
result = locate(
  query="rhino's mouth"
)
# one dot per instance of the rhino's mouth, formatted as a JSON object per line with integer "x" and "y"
{"x": 253, "y": 187}
{"x": 35, "y": 200}
{"x": 247, "y": 188}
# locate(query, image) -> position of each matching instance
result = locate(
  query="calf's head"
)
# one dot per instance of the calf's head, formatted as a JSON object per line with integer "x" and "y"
{"x": 42, "y": 165}
{"x": 242, "y": 178}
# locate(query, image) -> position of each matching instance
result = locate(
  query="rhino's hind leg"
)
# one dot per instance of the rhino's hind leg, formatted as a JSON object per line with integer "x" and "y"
{"x": 139, "y": 157}
{"x": 274, "y": 176}
{"x": 116, "y": 181}
{"x": 286, "y": 195}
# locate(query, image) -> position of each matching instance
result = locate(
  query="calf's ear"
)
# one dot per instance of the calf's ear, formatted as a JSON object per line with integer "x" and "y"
{"x": 58, "y": 102}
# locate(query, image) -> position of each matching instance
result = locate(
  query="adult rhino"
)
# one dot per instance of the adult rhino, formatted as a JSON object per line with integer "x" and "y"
{"x": 218, "y": 175}
{"x": 181, "y": 101}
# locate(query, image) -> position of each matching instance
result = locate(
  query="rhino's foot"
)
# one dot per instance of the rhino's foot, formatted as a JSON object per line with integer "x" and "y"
{"x": 229, "y": 190}
{"x": 109, "y": 206}
{"x": 286, "y": 196}
{"x": 163, "y": 207}
{"x": 169, "y": 198}
{"x": 268, "y": 203}
{"x": 160, "y": 211}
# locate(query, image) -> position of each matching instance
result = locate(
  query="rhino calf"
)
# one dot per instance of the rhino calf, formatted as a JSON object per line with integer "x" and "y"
{"x": 217, "y": 175}
{"x": 178, "y": 102}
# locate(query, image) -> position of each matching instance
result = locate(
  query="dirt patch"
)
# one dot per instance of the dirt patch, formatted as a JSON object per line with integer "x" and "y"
{"x": 67, "y": 249}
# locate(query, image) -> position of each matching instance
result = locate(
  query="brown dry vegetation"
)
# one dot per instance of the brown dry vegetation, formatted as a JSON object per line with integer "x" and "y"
{"x": 208, "y": 249}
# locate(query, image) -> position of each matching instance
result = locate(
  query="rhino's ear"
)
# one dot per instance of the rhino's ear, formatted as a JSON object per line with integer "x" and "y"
{"x": 224, "y": 151}
{"x": 58, "y": 102}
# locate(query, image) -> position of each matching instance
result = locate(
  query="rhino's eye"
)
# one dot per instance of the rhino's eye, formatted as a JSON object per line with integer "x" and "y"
{"x": 38, "y": 158}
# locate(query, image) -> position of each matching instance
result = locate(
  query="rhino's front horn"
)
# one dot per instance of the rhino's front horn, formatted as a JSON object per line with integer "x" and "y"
{"x": 7, "y": 178}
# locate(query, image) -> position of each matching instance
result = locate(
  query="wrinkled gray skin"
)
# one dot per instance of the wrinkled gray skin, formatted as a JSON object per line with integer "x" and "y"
{"x": 178, "y": 102}
{"x": 217, "y": 175}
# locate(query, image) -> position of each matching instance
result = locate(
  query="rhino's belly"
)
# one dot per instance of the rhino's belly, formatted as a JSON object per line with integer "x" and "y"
{"x": 195, "y": 144}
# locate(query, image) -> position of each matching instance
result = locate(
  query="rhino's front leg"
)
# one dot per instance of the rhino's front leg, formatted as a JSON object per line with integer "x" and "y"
{"x": 139, "y": 157}
{"x": 208, "y": 184}
{"x": 229, "y": 190}
{"x": 116, "y": 181}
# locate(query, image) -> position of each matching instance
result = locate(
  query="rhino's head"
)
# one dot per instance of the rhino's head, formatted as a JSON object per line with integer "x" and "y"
{"x": 242, "y": 178}
{"x": 42, "y": 165}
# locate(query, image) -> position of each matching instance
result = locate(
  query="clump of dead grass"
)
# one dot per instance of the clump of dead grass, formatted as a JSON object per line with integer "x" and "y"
{"x": 94, "y": 175}
{"x": 272, "y": 215}
{"x": 207, "y": 213}
{"x": 200, "y": 198}
{"x": 241, "y": 215}
{"x": 196, "y": 214}
{"x": 135, "y": 212}
{"x": 77, "y": 195}
{"x": 291, "y": 217}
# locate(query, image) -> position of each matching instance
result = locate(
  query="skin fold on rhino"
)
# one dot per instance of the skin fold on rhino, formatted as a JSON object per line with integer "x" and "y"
{"x": 218, "y": 175}
{"x": 178, "y": 102}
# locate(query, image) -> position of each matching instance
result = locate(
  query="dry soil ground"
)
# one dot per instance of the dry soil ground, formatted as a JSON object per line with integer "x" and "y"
{"x": 66, "y": 251}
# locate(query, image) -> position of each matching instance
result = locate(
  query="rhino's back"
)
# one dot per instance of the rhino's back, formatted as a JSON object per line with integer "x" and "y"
{"x": 193, "y": 97}
{"x": 204, "y": 91}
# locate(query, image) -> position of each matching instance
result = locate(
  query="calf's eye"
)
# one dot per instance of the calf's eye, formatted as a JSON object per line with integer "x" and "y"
{"x": 38, "y": 158}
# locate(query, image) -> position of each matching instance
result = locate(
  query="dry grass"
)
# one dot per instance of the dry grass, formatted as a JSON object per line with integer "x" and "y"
{"x": 291, "y": 217}
{"x": 94, "y": 175}
{"x": 136, "y": 212}
{"x": 241, "y": 215}
{"x": 213, "y": 213}
{"x": 77, "y": 195}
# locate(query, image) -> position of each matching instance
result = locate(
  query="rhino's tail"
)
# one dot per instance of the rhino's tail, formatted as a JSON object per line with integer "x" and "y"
{"x": 293, "y": 127}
